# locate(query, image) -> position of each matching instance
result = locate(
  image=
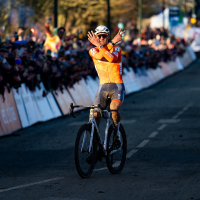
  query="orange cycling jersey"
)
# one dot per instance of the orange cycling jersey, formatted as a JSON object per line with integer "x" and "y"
{"x": 108, "y": 63}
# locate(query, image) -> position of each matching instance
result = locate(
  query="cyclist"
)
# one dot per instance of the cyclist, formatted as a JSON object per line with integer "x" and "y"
{"x": 108, "y": 63}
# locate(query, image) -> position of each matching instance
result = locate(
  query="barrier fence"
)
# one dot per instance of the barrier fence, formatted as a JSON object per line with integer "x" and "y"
{"x": 23, "y": 108}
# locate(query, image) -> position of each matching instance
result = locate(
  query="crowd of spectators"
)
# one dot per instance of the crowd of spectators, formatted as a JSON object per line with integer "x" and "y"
{"x": 25, "y": 61}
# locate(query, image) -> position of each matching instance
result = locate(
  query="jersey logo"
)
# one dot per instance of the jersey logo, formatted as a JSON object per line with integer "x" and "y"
{"x": 109, "y": 54}
{"x": 115, "y": 53}
{"x": 117, "y": 49}
{"x": 93, "y": 51}
{"x": 120, "y": 69}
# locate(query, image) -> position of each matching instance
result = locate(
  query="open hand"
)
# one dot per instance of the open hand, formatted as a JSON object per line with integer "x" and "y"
{"x": 93, "y": 39}
{"x": 118, "y": 37}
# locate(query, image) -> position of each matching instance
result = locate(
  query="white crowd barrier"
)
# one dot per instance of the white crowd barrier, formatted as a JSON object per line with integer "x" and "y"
{"x": 9, "y": 118}
{"x": 63, "y": 100}
{"x": 23, "y": 108}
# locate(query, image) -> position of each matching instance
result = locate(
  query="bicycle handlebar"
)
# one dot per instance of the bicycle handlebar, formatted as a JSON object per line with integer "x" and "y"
{"x": 71, "y": 109}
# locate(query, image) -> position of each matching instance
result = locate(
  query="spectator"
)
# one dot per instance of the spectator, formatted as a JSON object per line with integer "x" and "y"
{"x": 26, "y": 61}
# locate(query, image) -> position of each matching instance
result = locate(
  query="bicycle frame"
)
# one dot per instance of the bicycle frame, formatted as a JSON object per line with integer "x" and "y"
{"x": 94, "y": 125}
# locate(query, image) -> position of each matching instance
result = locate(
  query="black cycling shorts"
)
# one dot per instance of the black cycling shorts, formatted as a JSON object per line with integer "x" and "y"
{"x": 114, "y": 91}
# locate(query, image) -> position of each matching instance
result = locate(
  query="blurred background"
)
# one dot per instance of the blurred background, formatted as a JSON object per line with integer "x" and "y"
{"x": 79, "y": 16}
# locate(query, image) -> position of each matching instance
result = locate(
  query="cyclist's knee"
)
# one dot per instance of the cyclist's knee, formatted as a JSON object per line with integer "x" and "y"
{"x": 115, "y": 105}
{"x": 115, "y": 113}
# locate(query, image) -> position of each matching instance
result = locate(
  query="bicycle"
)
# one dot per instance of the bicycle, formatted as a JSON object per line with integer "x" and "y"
{"x": 89, "y": 147}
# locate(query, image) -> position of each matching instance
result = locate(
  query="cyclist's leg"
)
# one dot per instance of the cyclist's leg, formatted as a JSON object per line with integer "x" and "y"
{"x": 117, "y": 100}
{"x": 115, "y": 105}
{"x": 99, "y": 99}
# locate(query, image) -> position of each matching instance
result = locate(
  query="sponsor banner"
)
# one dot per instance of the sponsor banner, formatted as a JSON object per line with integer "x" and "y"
{"x": 174, "y": 15}
{"x": 43, "y": 105}
{"x": 20, "y": 107}
{"x": 9, "y": 118}
{"x": 30, "y": 105}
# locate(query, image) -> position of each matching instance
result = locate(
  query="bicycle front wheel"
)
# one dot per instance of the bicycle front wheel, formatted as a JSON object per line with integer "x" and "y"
{"x": 116, "y": 158}
{"x": 85, "y": 158}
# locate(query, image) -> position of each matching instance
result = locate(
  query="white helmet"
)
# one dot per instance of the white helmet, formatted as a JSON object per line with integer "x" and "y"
{"x": 102, "y": 29}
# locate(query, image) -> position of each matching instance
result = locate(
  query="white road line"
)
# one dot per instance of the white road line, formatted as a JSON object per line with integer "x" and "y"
{"x": 180, "y": 113}
{"x": 168, "y": 121}
{"x": 143, "y": 143}
{"x": 175, "y": 117}
{"x": 116, "y": 164}
{"x": 189, "y": 105}
{"x": 153, "y": 134}
{"x": 104, "y": 168}
{"x": 186, "y": 108}
{"x": 30, "y": 184}
{"x": 128, "y": 155}
{"x": 162, "y": 127}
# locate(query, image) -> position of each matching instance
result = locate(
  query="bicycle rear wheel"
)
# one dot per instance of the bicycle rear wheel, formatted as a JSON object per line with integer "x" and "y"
{"x": 85, "y": 160}
{"x": 116, "y": 158}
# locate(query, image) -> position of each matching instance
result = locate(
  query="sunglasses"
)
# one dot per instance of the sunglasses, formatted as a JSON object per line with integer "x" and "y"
{"x": 103, "y": 35}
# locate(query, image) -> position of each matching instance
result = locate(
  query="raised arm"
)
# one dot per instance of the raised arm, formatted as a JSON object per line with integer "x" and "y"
{"x": 111, "y": 57}
{"x": 95, "y": 54}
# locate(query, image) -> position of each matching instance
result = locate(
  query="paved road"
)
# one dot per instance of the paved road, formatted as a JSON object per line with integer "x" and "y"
{"x": 163, "y": 132}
